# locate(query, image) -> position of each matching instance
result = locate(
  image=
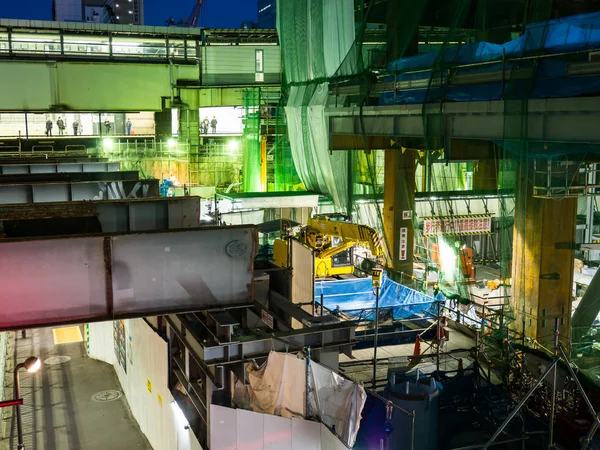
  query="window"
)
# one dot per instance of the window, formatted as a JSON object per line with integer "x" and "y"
{"x": 259, "y": 61}
{"x": 259, "y": 75}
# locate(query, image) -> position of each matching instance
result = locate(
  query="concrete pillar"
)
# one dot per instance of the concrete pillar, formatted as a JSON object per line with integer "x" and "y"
{"x": 398, "y": 211}
{"x": 542, "y": 271}
{"x": 189, "y": 120}
{"x": 163, "y": 124}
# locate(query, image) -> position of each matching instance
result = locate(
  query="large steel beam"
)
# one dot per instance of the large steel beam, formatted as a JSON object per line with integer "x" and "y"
{"x": 549, "y": 120}
{"x": 70, "y": 167}
{"x": 72, "y": 177}
{"x": 68, "y": 192}
{"x": 116, "y": 216}
{"x": 32, "y": 158}
{"x": 72, "y": 280}
{"x": 340, "y": 336}
{"x": 587, "y": 311}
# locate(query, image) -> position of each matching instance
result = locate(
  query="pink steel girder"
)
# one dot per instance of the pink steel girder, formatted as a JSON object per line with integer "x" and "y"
{"x": 105, "y": 277}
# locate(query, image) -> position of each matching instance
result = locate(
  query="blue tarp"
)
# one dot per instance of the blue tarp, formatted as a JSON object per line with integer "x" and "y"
{"x": 356, "y": 295}
{"x": 575, "y": 33}
{"x": 581, "y": 32}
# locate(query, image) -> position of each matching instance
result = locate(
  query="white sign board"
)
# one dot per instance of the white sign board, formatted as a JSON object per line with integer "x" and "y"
{"x": 267, "y": 318}
{"x": 403, "y": 243}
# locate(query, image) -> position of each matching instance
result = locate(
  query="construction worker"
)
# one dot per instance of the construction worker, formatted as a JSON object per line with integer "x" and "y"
{"x": 48, "y": 127}
{"x": 213, "y": 124}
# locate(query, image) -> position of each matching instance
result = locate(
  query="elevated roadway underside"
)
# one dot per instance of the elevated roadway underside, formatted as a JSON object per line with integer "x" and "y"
{"x": 571, "y": 120}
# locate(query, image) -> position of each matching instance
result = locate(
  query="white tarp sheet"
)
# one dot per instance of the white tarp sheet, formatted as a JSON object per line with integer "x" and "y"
{"x": 279, "y": 388}
{"x": 338, "y": 402}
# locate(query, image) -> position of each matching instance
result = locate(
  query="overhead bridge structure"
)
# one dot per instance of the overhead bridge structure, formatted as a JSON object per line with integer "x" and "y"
{"x": 548, "y": 120}
{"x": 474, "y": 101}
{"x": 56, "y": 66}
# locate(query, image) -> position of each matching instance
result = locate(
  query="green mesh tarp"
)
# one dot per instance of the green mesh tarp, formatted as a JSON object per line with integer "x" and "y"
{"x": 315, "y": 38}
{"x": 251, "y": 140}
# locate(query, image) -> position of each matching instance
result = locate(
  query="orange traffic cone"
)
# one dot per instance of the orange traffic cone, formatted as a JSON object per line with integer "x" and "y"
{"x": 440, "y": 333}
{"x": 416, "y": 350}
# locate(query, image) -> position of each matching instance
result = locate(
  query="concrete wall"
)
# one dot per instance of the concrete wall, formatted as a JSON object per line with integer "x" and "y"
{"x": 98, "y": 86}
{"x": 241, "y": 429}
{"x": 144, "y": 379}
{"x": 236, "y": 64}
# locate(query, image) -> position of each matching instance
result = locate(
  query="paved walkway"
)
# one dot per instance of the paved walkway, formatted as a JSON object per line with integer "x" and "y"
{"x": 59, "y": 412}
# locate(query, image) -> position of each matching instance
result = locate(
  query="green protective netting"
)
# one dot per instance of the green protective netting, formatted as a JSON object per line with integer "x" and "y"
{"x": 323, "y": 54}
{"x": 284, "y": 175}
{"x": 251, "y": 176}
{"x": 315, "y": 38}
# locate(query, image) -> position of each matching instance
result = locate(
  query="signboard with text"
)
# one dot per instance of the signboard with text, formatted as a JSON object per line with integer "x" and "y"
{"x": 403, "y": 242}
{"x": 473, "y": 224}
{"x": 267, "y": 318}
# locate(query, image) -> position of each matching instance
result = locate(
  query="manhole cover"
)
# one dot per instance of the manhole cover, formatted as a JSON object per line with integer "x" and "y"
{"x": 57, "y": 360}
{"x": 106, "y": 396}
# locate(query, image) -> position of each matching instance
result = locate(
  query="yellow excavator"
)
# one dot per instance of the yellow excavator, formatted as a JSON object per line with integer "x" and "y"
{"x": 328, "y": 240}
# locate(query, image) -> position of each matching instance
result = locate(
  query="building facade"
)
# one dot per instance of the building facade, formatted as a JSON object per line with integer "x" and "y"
{"x": 126, "y": 12}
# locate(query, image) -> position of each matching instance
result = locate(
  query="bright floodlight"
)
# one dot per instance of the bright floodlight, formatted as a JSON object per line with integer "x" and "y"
{"x": 171, "y": 143}
{"x": 32, "y": 364}
{"x": 447, "y": 260}
{"x": 233, "y": 145}
{"x": 107, "y": 143}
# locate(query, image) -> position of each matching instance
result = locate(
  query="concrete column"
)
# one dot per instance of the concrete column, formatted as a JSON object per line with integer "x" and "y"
{"x": 189, "y": 120}
{"x": 542, "y": 271}
{"x": 398, "y": 211}
{"x": 163, "y": 124}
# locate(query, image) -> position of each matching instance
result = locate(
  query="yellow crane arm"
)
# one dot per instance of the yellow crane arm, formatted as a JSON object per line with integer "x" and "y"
{"x": 350, "y": 233}
{"x": 344, "y": 245}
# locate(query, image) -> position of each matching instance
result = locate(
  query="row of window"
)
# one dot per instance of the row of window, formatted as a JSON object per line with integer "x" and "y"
{"x": 97, "y": 46}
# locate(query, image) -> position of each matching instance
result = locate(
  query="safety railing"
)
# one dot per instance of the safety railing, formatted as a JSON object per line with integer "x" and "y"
{"x": 58, "y": 43}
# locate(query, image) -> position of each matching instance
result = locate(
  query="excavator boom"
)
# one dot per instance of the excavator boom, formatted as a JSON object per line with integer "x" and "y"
{"x": 349, "y": 233}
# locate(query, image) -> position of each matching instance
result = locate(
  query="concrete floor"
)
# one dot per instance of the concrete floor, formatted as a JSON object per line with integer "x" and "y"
{"x": 58, "y": 411}
{"x": 360, "y": 367}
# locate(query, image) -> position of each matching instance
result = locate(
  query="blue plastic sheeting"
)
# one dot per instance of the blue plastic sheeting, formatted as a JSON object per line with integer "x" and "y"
{"x": 550, "y": 81}
{"x": 356, "y": 297}
{"x": 574, "y": 33}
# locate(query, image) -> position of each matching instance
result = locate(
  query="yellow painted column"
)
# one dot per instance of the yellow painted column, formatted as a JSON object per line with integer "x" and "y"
{"x": 542, "y": 272}
{"x": 398, "y": 211}
{"x": 485, "y": 176}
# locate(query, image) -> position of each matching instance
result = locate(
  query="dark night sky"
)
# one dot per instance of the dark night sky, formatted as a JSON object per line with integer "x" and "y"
{"x": 215, "y": 13}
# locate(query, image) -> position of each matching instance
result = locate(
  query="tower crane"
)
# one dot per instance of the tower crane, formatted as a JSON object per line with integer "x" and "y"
{"x": 195, "y": 15}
